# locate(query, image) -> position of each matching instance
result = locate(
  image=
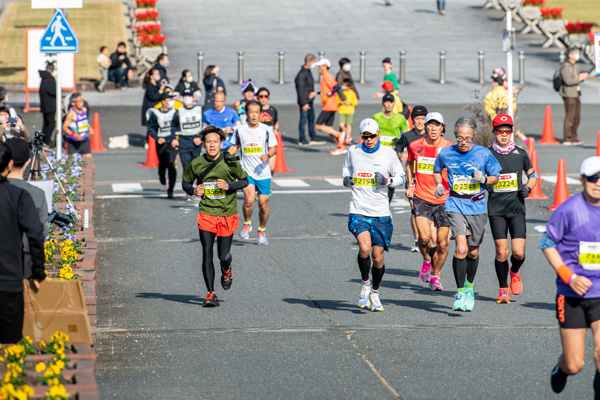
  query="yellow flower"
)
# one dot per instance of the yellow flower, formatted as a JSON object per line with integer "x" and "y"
{"x": 57, "y": 391}
{"x": 42, "y": 343}
{"x": 27, "y": 390}
{"x": 69, "y": 275}
{"x": 40, "y": 367}
{"x": 53, "y": 382}
{"x": 60, "y": 364}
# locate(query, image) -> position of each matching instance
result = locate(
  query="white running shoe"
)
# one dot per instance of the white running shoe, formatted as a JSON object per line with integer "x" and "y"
{"x": 375, "y": 303}
{"x": 338, "y": 151}
{"x": 414, "y": 247}
{"x": 246, "y": 229}
{"x": 363, "y": 298}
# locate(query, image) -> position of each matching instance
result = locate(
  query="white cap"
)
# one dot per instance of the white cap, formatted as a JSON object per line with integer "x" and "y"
{"x": 435, "y": 116}
{"x": 368, "y": 125}
{"x": 322, "y": 61}
{"x": 590, "y": 166}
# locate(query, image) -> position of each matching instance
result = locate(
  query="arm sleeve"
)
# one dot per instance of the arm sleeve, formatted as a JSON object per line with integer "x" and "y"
{"x": 272, "y": 140}
{"x": 152, "y": 93}
{"x": 398, "y": 176}
{"x": 152, "y": 125}
{"x": 239, "y": 184}
{"x": 187, "y": 187}
{"x": 302, "y": 88}
{"x": 31, "y": 225}
{"x": 128, "y": 62}
{"x": 546, "y": 242}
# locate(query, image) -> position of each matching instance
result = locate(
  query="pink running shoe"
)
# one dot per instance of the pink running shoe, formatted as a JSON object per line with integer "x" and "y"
{"x": 436, "y": 283}
{"x": 425, "y": 275}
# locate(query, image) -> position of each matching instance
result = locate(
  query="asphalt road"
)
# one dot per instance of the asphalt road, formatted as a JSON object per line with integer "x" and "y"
{"x": 290, "y": 327}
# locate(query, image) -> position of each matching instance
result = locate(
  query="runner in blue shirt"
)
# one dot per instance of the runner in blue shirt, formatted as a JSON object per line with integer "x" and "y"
{"x": 470, "y": 167}
{"x": 222, "y": 117}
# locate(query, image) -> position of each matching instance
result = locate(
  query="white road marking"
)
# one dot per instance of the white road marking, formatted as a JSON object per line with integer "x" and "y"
{"x": 126, "y": 187}
{"x": 290, "y": 183}
{"x": 540, "y": 228}
{"x": 156, "y": 196}
{"x": 552, "y": 179}
{"x": 335, "y": 181}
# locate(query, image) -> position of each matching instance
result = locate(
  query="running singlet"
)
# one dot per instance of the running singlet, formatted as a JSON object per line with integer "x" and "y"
{"x": 391, "y": 128}
{"x": 227, "y": 118}
{"x": 504, "y": 198}
{"x": 268, "y": 117}
{"x": 368, "y": 198}
{"x": 424, "y": 157}
{"x": 574, "y": 228}
{"x": 79, "y": 126}
{"x": 460, "y": 168}
{"x": 215, "y": 201}
{"x": 254, "y": 143}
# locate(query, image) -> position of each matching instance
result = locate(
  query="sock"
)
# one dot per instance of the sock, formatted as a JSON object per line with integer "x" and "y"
{"x": 432, "y": 252}
{"x": 427, "y": 261}
{"x": 364, "y": 264}
{"x": 377, "y": 276}
{"x": 459, "y": 265}
{"x": 472, "y": 264}
{"x": 515, "y": 264}
{"x": 501, "y": 272}
{"x": 261, "y": 229}
{"x": 460, "y": 290}
{"x": 597, "y": 385}
{"x": 247, "y": 223}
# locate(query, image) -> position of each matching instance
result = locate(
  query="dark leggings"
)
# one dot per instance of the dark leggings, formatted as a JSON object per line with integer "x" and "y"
{"x": 207, "y": 239}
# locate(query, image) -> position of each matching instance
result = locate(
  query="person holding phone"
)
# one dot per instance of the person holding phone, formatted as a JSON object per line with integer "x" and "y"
{"x": 12, "y": 127}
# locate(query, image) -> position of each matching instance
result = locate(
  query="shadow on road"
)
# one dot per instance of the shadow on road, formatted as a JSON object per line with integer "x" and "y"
{"x": 539, "y": 305}
{"x": 179, "y": 298}
{"x": 336, "y": 305}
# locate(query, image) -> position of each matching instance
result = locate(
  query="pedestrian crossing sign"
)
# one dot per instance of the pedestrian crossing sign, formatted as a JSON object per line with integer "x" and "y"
{"x": 59, "y": 36}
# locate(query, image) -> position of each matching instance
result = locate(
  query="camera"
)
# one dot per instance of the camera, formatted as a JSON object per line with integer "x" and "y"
{"x": 38, "y": 138}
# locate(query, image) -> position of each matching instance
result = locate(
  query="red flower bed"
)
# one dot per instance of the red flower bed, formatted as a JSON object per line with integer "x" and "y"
{"x": 146, "y": 3}
{"x": 534, "y": 3}
{"x": 149, "y": 15}
{"x": 148, "y": 29}
{"x": 552, "y": 13}
{"x": 579, "y": 27}
{"x": 151, "y": 40}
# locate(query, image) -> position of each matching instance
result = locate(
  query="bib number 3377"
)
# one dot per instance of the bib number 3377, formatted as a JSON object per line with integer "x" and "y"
{"x": 589, "y": 255}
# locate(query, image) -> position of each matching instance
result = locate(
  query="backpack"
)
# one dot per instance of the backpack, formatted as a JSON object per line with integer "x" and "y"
{"x": 557, "y": 81}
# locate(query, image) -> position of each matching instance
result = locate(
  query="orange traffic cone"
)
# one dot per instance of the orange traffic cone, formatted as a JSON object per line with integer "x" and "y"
{"x": 280, "y": 158}
{"x": 410, "y": 121}
{"x": 536, "y": 192}
{"x": 561, "y": 192}
{"x": 598, "y": 145}
{"x": 548, "y": 132}
{"x": 97, "y": 136}
{"x": 530, "y": 146}
{"x": 151, "y": 155}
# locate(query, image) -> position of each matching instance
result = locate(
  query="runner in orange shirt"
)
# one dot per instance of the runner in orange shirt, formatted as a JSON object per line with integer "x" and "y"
{"x": 325, "y": 120}
{"x": 432, "y": 222}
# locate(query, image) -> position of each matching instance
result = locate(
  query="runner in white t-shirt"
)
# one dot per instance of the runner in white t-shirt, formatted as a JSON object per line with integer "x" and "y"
{"x": 257, "y": 143}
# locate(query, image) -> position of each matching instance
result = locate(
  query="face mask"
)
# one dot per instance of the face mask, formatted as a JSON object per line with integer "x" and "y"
{"x": 156, "y": 77}
{"x": 170, "y": 104}
{"x": 577, "y": 57}
{"x": 189, "y": 79}
{"x": 346, "y": 67}
{"x": 166, "y": 64}
{"x": 188, "y": 101}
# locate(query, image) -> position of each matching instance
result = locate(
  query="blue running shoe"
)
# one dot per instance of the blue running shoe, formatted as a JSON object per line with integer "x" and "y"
{"x": 469, "y": 299}
{"x": 459, "y": 303}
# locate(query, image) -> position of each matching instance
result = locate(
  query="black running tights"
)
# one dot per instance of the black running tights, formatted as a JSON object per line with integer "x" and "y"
{"x": 207, "y": 239}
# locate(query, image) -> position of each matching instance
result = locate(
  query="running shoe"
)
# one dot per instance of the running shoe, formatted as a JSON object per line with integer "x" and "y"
{"x": 338, "y": 151}
{"x": 245, "y": 232}
{"x": 516, "y": 287}
{"x": 227, "y": 280}
{"x": 262, "y": 238}
{"x": 348, "y": 142}
{"x": 459, "y": 303}
{"x": 316, "y": 142}
{"x": 170, "y": 195}
{"x": 503, "y": 297}
{"x": 303, "y": 142}
{"x": 425, "y": 273}
{"x": 363, "y": 298}
{"x": 558, "y": 379}
{"x": 162, "y": 179}
{"x": 211, "y": 300}
{"x": 188, "y": 198}
{"x": 375, "y": 303}
{"x": 436, "y": 283}
{"x": 469, "y": 299}
{"x": 414, "y": 247}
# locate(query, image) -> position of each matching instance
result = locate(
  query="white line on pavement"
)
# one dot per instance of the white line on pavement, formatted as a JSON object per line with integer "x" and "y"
{"x": 290, "y": 183}
{"x": 335, "y": 181}
{"x": 126, "y": 187}
{"x": 155, "y": 196}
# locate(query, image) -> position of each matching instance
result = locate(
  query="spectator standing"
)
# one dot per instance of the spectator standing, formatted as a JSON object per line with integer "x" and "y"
{"x": 305, "y": 90}
{"x": 344, "y": 73}
{"x": 212, "y": 85}
{"x": 387, "y": 65}
{"x": 187, "y": 82}
{"x": 120, "y": 70}
{"x": 17, "y": 217}
{"x": 48, "y": 104}
{"x": 153, "y": 93}
{"x": 570, "y": 91}
{"x": 441, "y": 7}
{"x": 347, "y": 108}
{"x": 104, "y": 62}
{"x": 162, "y": 63}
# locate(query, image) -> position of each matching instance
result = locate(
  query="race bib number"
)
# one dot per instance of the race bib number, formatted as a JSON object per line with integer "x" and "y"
{"x": 212, "y": 191}
{"x": 589, "y": 255}
{"x": 425, "y": 165}
{"x": 253, "y": 148}
{"x": 388, "y": 140}
{"x": 364, "y": 179}
{"x": 466, "y": 185}
{"x": 507, "y": 183}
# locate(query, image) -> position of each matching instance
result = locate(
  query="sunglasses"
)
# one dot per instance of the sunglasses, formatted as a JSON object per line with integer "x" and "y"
{"x": 504, "y": 131}
{"x": 592, "y": 179}
{"x": 369, "y": 136}
{"x": 263, "y": 96}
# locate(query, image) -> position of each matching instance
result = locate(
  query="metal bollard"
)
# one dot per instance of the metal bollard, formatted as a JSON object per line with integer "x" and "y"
{"x": 562, "y": 57}
{"x": 442, "y": 67}
{"x": 200, "y": 65}
{"x": 321, "y": 55}
{"x": 481, "y": 67}
{"x": 402, "y": 67}
{"x": 363, "y": 61}
{"x": 281, "y": 67}
{"x": 521, "y": 67}
{"x": 240, "y": 67}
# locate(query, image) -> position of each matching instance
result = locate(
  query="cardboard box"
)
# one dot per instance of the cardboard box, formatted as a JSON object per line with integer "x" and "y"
{"x": 56, "y": 306}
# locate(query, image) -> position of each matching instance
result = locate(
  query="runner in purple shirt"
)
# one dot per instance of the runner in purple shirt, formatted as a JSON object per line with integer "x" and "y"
{"x": 572, "y": 246}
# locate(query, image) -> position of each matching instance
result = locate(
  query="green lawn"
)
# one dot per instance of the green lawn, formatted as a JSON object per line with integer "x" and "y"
{"x": 579, "y": 10}
{"x": 98, "y": 23}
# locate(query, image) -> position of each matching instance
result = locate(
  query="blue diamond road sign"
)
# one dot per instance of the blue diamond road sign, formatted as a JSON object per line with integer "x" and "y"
{"x": 59, "y": 36}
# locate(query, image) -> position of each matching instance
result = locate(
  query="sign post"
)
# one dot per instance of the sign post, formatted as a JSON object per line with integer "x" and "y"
{"x": 59, "y": 38}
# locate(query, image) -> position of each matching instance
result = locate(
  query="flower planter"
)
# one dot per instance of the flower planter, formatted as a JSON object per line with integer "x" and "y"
{"x": 578, "y": 39}
{"x": 152, "y": 53}
{"x": 552, "y": 28}
{"x": 531, "y": 16}
{"x": 511, "y": 5}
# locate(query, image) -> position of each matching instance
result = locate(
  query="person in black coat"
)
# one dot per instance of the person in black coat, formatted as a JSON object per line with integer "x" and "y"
{"x": 18, "y": 216}
{"x": 161, "y": 64}
{"x": 212, "y": 85}
{"x": 187, "y": 82}
{"x": 48, "y": 104}
{"x": 120, "y": 70}
{"x": 154, "y": 90}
